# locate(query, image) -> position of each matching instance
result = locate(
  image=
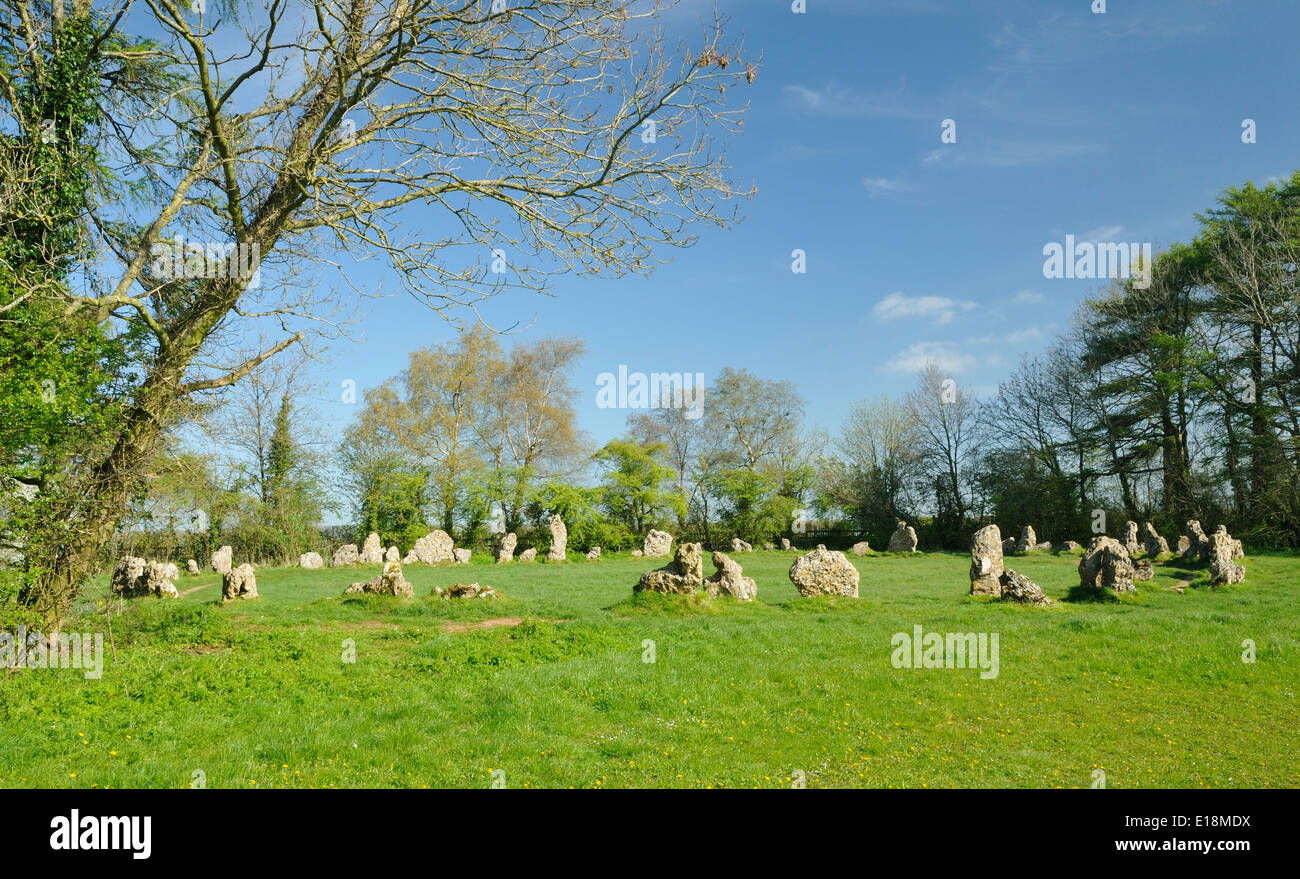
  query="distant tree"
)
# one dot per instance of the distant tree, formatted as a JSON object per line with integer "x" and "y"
{"x": 636, "y": 485}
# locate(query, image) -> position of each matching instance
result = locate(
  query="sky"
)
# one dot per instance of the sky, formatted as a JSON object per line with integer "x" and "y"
{"x": 1118, "y": 126}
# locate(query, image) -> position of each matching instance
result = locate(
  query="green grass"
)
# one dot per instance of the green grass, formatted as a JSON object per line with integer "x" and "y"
{"x": 1150, "y": 688}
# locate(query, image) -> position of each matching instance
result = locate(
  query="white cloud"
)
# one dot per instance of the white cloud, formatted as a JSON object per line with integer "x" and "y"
{"x": 940, "y": 309}
{"x": 1027, "y": 297}
{"x": 885, "y": 186}
{"x": 946, "y": 355}
{"x": 1105, "y": 233}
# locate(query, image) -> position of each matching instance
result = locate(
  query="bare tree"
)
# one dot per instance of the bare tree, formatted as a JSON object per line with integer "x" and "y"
{"x": 534, "y": 135}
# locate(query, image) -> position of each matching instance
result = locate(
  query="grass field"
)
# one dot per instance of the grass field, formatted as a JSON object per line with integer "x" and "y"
{"x": 1151, "y": 689}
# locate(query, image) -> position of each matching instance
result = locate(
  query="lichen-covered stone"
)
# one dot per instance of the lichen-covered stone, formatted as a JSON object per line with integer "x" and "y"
{"x": 986, "y": 561}
{"x": 239, "y": 582}
{"x": 657, "y": 543}
{"x": 1106, "y": 565}
{"x": 903, "y": 539}
{"x": 729, "y": 579}
{"x": 683, "y": 575}
{"x": 824, "y": 572}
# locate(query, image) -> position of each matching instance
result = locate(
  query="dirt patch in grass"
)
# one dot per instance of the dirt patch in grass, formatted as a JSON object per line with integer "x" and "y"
{"x": 494, "y": 623}
{"x": 194, "y": 589}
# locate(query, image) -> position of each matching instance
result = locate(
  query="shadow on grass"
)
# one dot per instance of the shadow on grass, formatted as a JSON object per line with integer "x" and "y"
{"x": 1081, "y": 594}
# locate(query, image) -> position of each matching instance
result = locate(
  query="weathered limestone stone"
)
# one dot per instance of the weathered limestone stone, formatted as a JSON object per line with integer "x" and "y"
{"x": 393, "y": 554}
{"x": 593, "y": 553}
{"x": 769, "y": 546}
{"x": 1183, "y": 544}
{"x": 824, "y": 572}
{"x": 1070, "y": 546}
{"x": 1018, "y": 587}
{"x": 636, "y": 553}
{"x": 730, "y": 580}
{"x": 192, "y": 568}
{"x": 559, "y": 549}
{"x": 1106, "y": 565}
{"x": 657, "y": 543}
{"x": 1143, "y": 569}
{"x": 1198, "y": 544}
{"x": 1028, "y": 539}
{"x": 221, "y": 559}
{"x": 528, "y": 555}
{"x": 506, "y": 547}
{"x": 986, "y": 561}
{"x": 1131, "y": 538}
{"x": 372, "y": 551}
{"x": 134, "y": 577}
{"x": 903, "y": 539}
{"x": 1044, "y": 546}
{"x": 1008, "y": 546}
{"x": 683, "y": 575}
{"x": 1238, "y": 551}
{"x": 465, "y": 590}
{"x": 390, "y": 581}
{"x": 345, "y": 555}
{"x": 1152, "y": 542}
{"x": 462, "y": 556}
{"x": 1223, "y": 567}
{"x": 310, "y": 560}
{"x": 861, "y": 548}
{"x": 239, "y": 583}
{"x": 434, "y": 547}
{"x": 785, "y": 544}
{"x": 738, "y": 545}
{"x": 410, "y": 558}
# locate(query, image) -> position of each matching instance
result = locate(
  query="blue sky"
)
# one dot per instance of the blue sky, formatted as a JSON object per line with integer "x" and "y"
{"x": 1116, "y": 126}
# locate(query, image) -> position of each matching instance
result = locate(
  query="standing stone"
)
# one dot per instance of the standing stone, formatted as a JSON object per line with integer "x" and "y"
{"x": 434, "y": 547}
{"x": 1198, "y": 544}
{"x": 682, "y": 576}
{"x": 1143, "y": 569}
{"x": 221, "y": 560}
{"x": 785, "y": 544}
{"x": 1238, "y": 551}
{"x": 559, "y": 550}
{"x": 1028, "y": 540}
{"x": 903, "y": 539}
{"x": 1223, "y": 567}
{"x": 593, "y": 553}
{"x": 657, "y": 543}
{"x": 738, "y": 545}
{"x": 506, "y": 547}
{"x": 239, "y": 583}
{"x": 769, "y": 546}
{"x": 986, "y": 561}
{"x": 1154, "y": 544}
{"x": 1008, "y": 546}
{"x": 134, "y": 577}
{"x": 1106, "y": 565}
{"x": 345, "y": 555}
{"x": 1044, "y": 546}
{"x": 730, "y": 580}
{"x": 393, "y": 554}
{"x": 310, "y": 560}
{"x": 824, "y": 572}
{"x": 390, "y": 581}
{"x": 372, "y": 551}
{"x": 1183, "y": 545}
{"x": 528, "y": 555}
{"x": 1131, "y": 538}
{"x": 1018, "y": 587}
{"x": 1070, "y": 546}
{"x": 636, "y": 553}
{"x": 192, "y": 568}
{"x": 861, "y": 548}
{"x": 465, "y": 590}
{"x": 462, "y": 556}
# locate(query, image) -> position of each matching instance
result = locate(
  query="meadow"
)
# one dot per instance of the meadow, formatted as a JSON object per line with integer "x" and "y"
{"x": 551, "y": 684}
